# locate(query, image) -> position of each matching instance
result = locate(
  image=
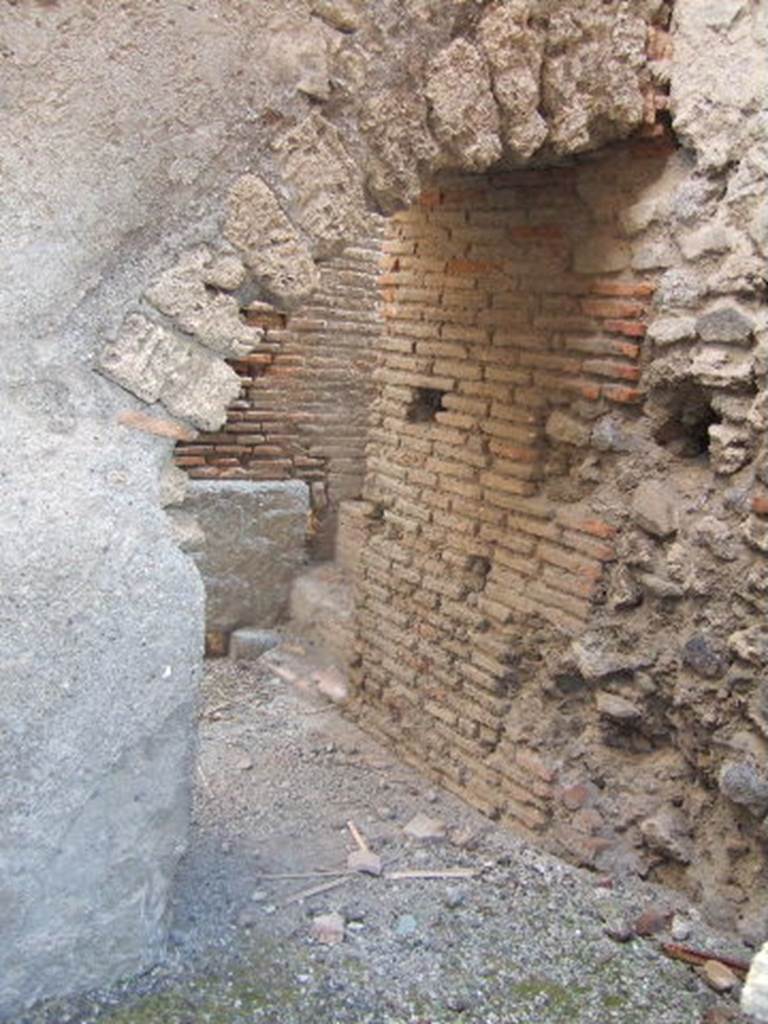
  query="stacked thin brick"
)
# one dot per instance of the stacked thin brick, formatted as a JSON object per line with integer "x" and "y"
{"x": 306, "y": 392}
{"x": 498, "y": 314}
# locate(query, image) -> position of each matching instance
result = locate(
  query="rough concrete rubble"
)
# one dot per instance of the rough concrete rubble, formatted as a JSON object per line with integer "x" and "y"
{"x": 135, "y": 137}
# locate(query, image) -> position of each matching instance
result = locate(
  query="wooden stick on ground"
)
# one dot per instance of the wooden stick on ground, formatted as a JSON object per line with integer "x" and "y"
{"x": 700, "y": 956}
{"x": 433, "y": 873}
{"x": 302, "y": 874}
{"x": 358, "y": 837}
{"x": 316, "y": 890}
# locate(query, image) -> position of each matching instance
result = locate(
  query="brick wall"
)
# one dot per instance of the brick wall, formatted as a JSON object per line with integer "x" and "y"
{"x": 513, "y": 319}
{"x": 306, "y": 392}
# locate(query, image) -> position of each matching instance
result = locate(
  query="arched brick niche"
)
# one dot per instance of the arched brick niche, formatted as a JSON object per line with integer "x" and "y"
{"x": 515, "y": 319}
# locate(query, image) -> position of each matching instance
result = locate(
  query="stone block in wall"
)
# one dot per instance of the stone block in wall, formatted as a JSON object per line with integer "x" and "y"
{"x": 269, "y": 243}
{"x": 158, "y": 365}
{"x": 254, "y": 545}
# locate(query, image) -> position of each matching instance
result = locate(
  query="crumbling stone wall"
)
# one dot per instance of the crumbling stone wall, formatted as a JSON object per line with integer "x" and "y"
{"x": 306, "y": 388}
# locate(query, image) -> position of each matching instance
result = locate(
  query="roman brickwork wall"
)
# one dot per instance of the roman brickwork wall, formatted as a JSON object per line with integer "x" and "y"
{"x": 306, "y": 389}
{"x": 526, "y": 624}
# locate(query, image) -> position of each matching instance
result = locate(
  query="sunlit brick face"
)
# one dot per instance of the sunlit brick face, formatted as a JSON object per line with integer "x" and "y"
{"x": 513, "y": 298}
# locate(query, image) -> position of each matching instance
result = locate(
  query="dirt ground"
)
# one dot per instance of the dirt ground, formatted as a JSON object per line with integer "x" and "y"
{"x": 525, "y": 939}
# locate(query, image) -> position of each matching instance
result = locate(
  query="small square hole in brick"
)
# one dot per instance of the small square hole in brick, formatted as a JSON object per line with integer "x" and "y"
{"x": 424, "y": 405}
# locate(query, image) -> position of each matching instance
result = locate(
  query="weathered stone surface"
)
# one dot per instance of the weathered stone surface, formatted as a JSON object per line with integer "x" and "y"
{"x": 161, "y": 366}
{"x": 345, "y": 15}
{"x": 588, "y": 46}
{"x": 653, "y": 253}
{"x": 625, "y": 591}
{"x": 567, "y": 429}
{"x": 751, "y": 644}
{"x": 224, "y": 271}
{"x": 722, "y": 367}
{"x": 326, "y": 195}
{"x": 669, "y": 330}
{"x": 595, "y": 660}
{"x": 186, "y": 530}
{"x": 463, "y": 110}
{"x": 729, "y": 448}
{"x": 611, "y": 434}
{"x": 712, "y": 238}
{"x": 400, "y": 145}
{"x": 679, "y": 288}
{"x": 271, "y": 246}
{"x": 668, "y": 832}
{"x": 425, "y": 829}
{"x": 618, "y": 709}
{"x": 297, "y": 52}
{"x": 514, "y": 52}
{"x": 173, "y": 485}
{"x": 704, "y": 656}
{"x": 660, "y": 586}
{"x": 746, "y": 785}
{"x": 718, "y": 51}
{"x": 755, "y": 533}
{"x": 725, "y": 324}
{"x": 254, "y": 545}
{"x": 213, "y": 320}
{"x": 654, "y": 508}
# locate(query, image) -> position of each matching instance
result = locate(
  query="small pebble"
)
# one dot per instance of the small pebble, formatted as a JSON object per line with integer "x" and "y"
{"x": 718, "y": 976}
{"x": 651, "y": 922}
{"x": 457, "y": 1004}
{"x": 618, "y": 930}
{"x": 453, "y": 898}
{"x": 681, "y": 928}
{"x": 328, "y": 929}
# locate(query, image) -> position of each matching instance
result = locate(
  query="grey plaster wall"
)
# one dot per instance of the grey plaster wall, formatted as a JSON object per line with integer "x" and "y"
{"x": 117, "y": 122}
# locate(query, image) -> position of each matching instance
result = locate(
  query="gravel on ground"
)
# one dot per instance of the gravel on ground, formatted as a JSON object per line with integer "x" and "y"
{"x": 526, "y": 939}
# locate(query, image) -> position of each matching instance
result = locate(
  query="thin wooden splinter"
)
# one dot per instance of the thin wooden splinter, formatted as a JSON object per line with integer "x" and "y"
{"x": 358, "y": 837}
